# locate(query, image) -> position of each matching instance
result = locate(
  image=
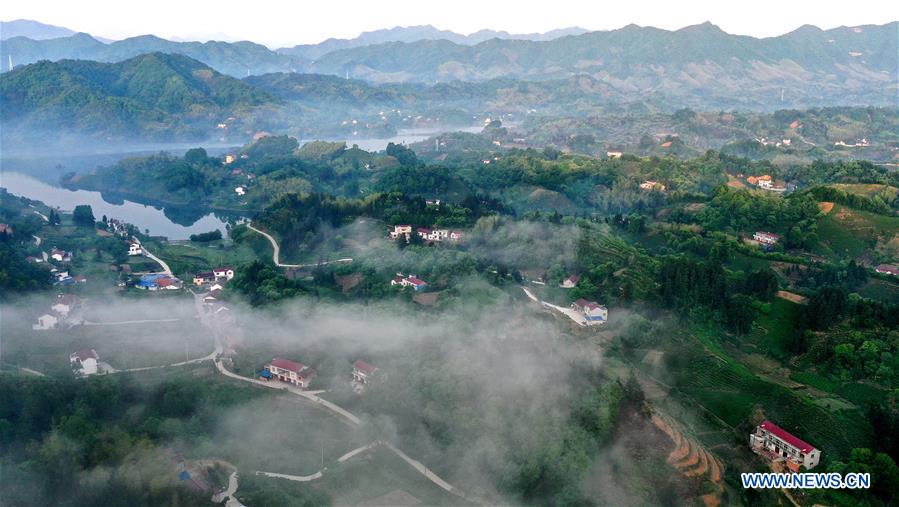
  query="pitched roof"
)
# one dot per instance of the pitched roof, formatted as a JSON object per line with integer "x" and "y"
{"x": 787, "y": 437}
{"x": 416, "y": 281}
{"x": 86, "y": 354}
{"x": 222, "y": 268}
{"x": 582, "y": 302}
{"x": 364, "y": 367}
{"x": 888, "y": 268}
{"x": 286, "y": 364}
{"x": 574, "y": 278}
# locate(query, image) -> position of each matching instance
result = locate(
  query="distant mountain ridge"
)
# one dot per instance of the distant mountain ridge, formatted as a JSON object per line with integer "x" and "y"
{"x": 32, "y": 29}
{"x": 701, "y": 66}
{"x": 418, "y": 33}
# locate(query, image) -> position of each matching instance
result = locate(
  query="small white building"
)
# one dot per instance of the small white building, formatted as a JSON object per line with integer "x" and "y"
{"x": 766, "y": 238}
{"x": 779, "y": 445}
{"x": 85, "y": 362}
{"x": 456, "y": 235}
{"x": 362, "y": 374}
{"x": 45, "y": 322}
{"x": 570, "y": 282}
{"x": 134, "y": 247}
{"x": 240, "y": 191}
{"x": 614, "y": 154}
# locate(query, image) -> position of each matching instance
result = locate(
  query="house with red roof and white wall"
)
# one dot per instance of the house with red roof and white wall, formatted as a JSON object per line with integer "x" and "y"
{"x": 85, "y": 362}
{"x": 779, "y": 445}
{"x": 293, "y": 372}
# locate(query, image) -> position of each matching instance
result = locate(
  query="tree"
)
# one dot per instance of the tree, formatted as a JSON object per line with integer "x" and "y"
{"x": 83, "y": 215}
{"x": 196, "y": 156}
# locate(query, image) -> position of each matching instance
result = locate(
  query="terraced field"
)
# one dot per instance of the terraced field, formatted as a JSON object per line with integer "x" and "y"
{"x": 691, "y": 459}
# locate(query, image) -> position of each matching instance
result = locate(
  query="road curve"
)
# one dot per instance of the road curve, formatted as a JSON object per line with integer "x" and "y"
{"x": 276, "y": 255}
{"x": 165, "y": 267}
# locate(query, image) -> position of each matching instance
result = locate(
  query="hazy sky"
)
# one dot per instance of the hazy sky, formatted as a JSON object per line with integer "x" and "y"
{"x": 280, "y": 23}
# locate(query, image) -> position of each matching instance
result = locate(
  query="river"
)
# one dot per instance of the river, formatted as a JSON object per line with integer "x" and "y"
{"x": 143, "y": 216}
{"x": 37, "y": 177}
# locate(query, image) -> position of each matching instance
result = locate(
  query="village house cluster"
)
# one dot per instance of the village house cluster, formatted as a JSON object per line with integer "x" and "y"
{"x": 65, "y": 311}
{"x": 301, "y": 375}
{"x": 217, "y": 274}
{"x": 781, "y": 447}
{"x": 435, "y": 234}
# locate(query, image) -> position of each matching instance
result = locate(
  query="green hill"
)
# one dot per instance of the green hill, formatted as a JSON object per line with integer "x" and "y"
{"x": 154, "y": 96}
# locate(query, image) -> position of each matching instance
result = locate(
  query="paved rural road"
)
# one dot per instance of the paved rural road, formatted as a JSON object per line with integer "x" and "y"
{"x": 165, "y": 267}
{"x": 123, "y": 322}
{"x": 276, "y": 256}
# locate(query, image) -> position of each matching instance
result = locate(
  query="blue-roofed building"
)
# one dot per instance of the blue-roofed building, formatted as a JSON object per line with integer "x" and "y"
{"x": 264, "y": 375}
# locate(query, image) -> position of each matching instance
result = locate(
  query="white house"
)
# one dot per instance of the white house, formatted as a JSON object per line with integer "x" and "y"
{"x": 362, "y": 374}
{"x": 456, "y": 235}
{"x": 289, "y": 371}
{"x": 408, "y": 281}
{"x": 240, "y": 191}
{"x": 570, "y": 282}
{"x": 45, "y": 322}
{"x": 225, "y": 272}
{"x": 594, "y": 313}
{"x": 652, "y": 185}
{"x": 766, "y": 238}
{"x": 64, "y": 304}
{"x": 61, "y": 255}
{"x": 614, "y": 154}
{"x": 134, "y": 247}
{"x": 85, "y": 361}
{"x": 779, "y": 445}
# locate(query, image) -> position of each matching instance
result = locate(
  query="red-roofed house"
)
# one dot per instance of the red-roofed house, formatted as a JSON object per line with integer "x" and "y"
{"x": 362, "y": 373}
{"x": 290, "y": 371}
{"x": 409, "y": 281}
{"x": 225, "y": 272}
{"x": 778, "y": 444}
{"x": 594, "y": 313}
{"x": 401, "y": 230}
{"x": 888, "y": 269}
{"x": 85, "y": 361}
{"x": 570, "y": 282}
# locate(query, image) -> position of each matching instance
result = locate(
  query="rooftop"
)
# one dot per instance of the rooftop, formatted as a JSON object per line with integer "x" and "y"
{"x": 787, "y": 437}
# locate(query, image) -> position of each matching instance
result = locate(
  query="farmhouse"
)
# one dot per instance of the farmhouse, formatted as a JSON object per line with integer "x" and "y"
{"x": 64, "y": 304}
{"x": 570, "y": 282}
{"x": 134, "y": 247}
{"x": 594, "y": 313}
{"x": 614, "y": 154}
{"x": 158, "y": 282}
{"x": 778, "y": 445}
{"x": 888, "y": 269}
{"x": 652, "y": 185}
{"x": 85, "y": 362}
{"x": 401, "y": 230}
{"x": 61, "y": 255}
{"x": 289, "y": 371}
{"x": 225, "y": 272}
{"x": 766, "y": 238}
{"x": 456, "y": 235}
{"x": 205, "y": 277}
{"x": 408, "y": 281}
{"x": 45, "y": 322}
{"x": 362, "y": 373}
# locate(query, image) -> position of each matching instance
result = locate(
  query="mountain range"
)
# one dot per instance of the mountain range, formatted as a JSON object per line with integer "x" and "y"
{"x": 419, "y": 33}
{"x": 699, "y": 65}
